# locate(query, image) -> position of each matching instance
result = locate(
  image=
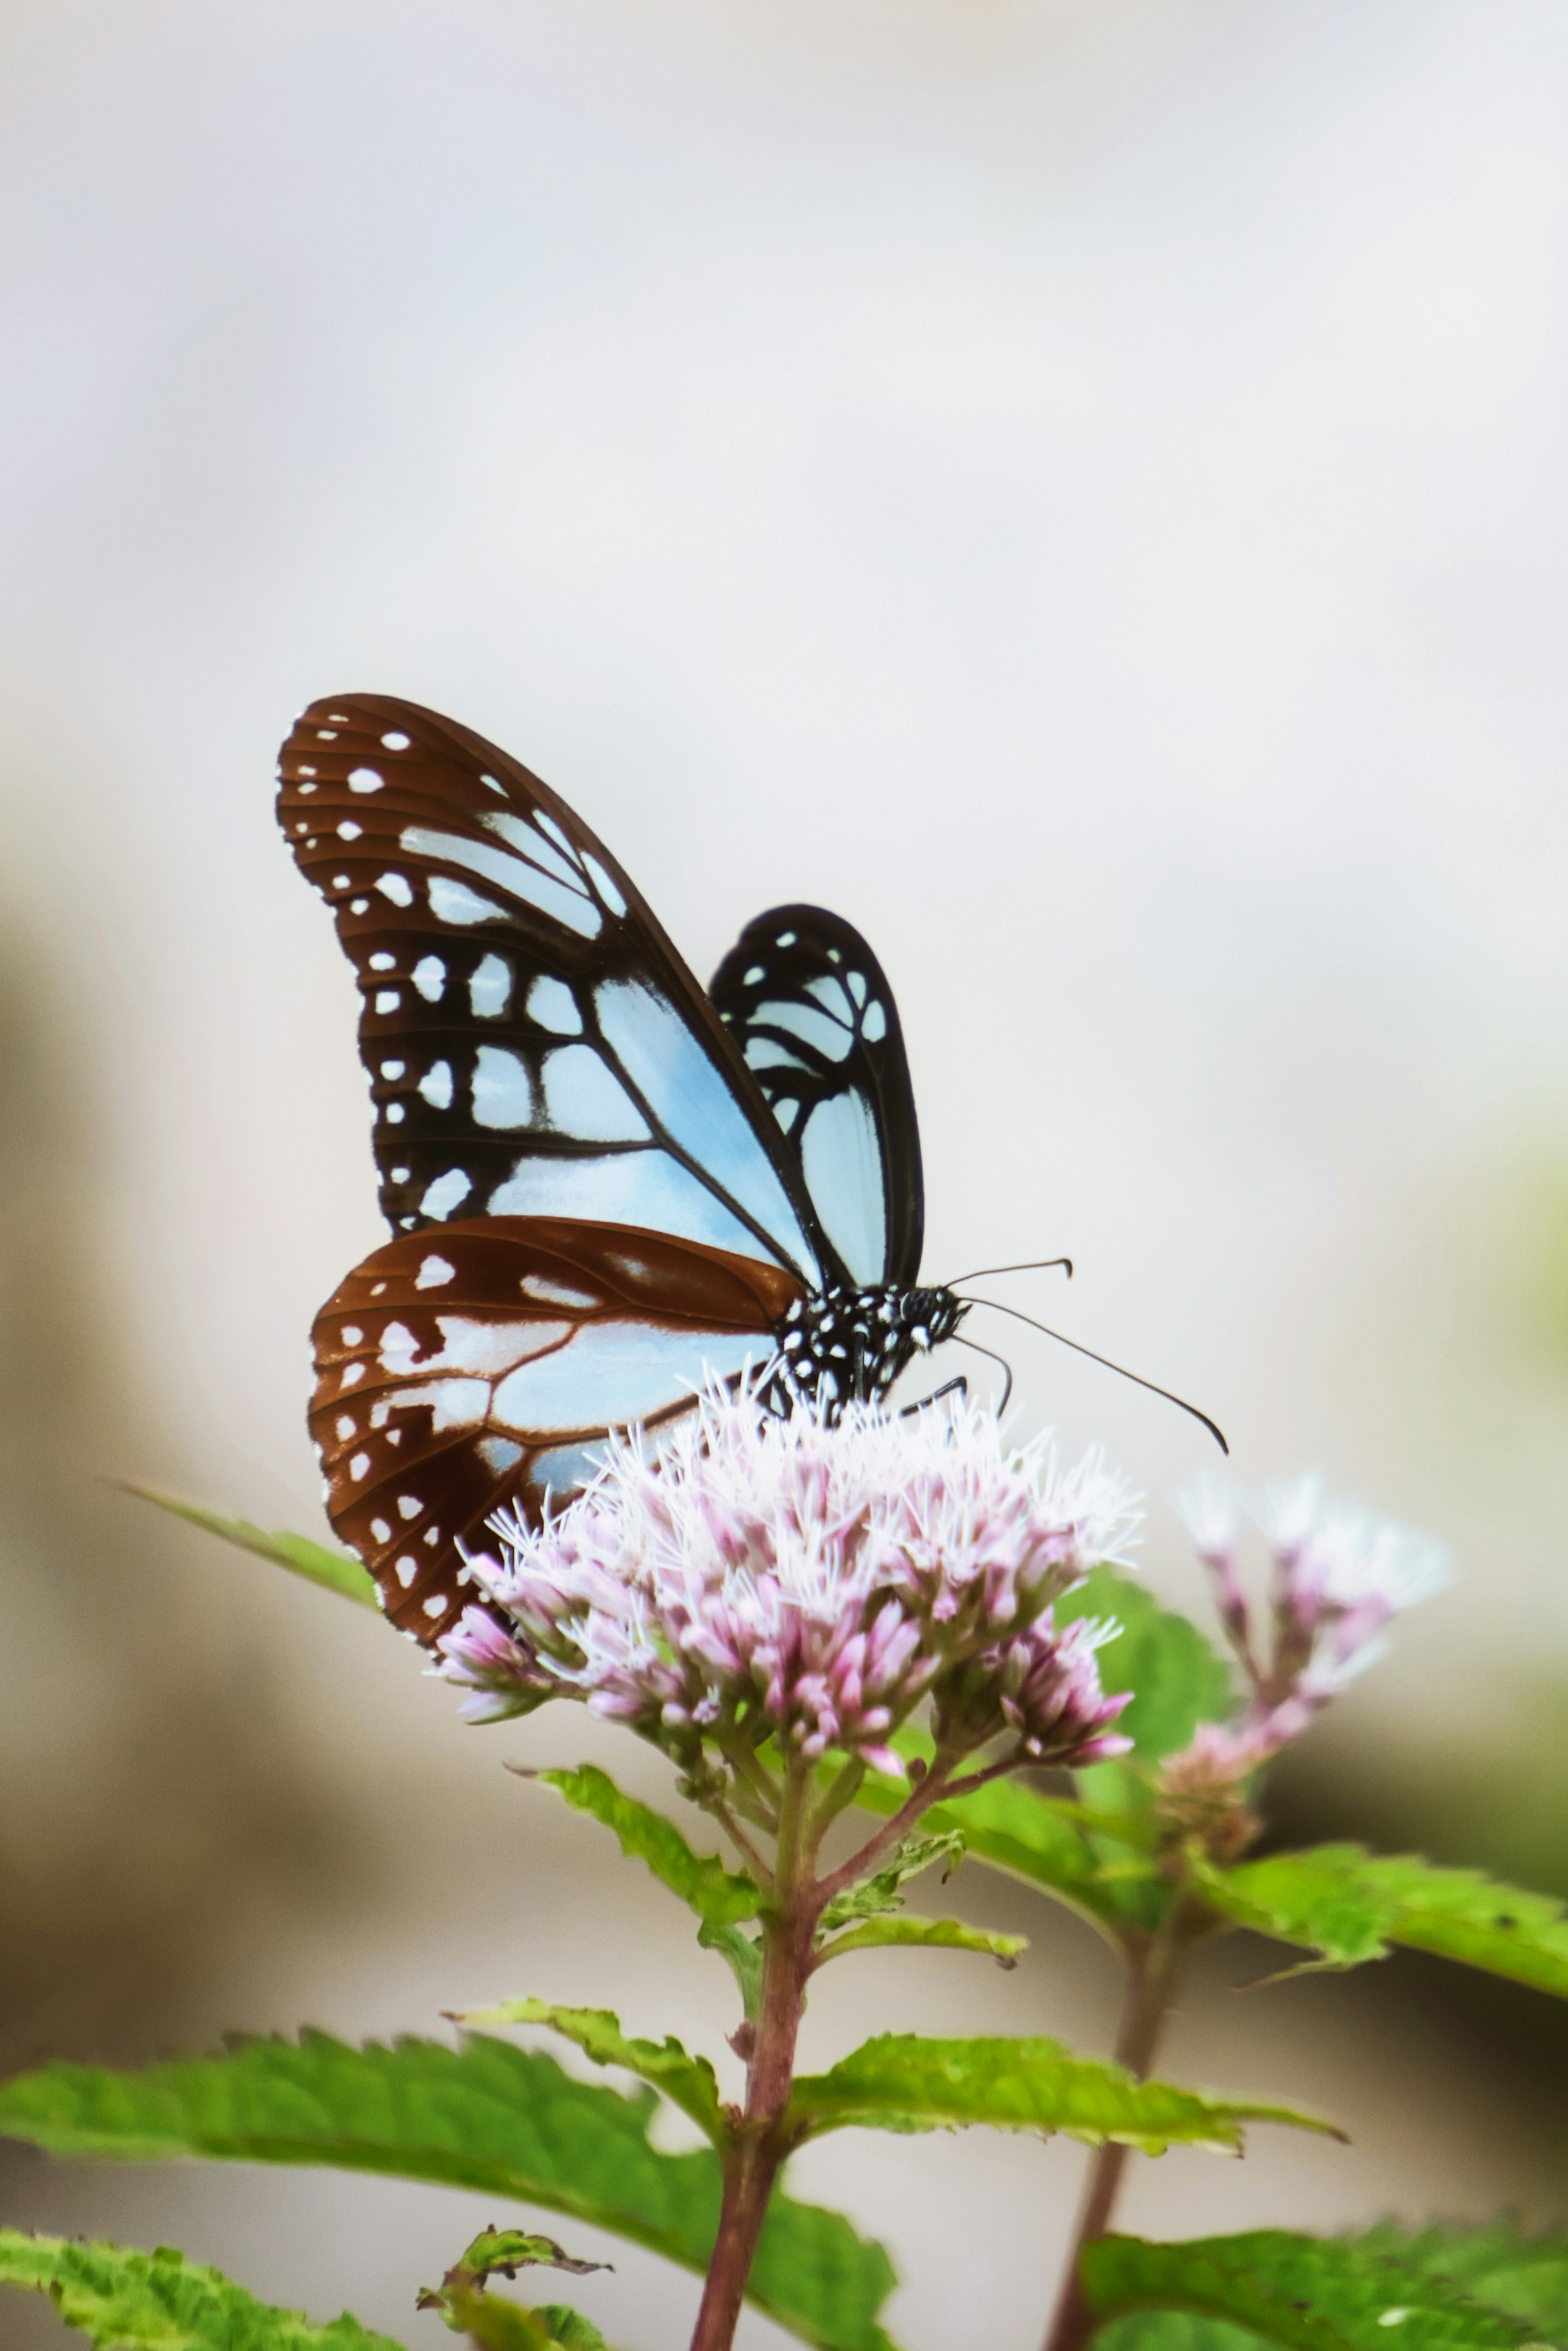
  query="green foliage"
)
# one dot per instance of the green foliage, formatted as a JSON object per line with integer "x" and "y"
{"x": 1348, "y": 1905}
{"x": 926, "y": 1935}
{"x": 903, "y": 2082}
{"x": 1300, "y": 2293}
{"x": 742, "y": 1954}
{"x": 1527, "y": 2277}
{"x": 721, "y": 1897}
{"x": 125, "y": 2301}
{"x": 335, "y": 1571}
{"x": 488, "y": 2115}
{"x": 687, "y": 2082}
{"x": 1179, "y": 1679}
{"x": 1096, "y": 1856}
{"x": 881, "y": 1891}
{"x": 502, "y": 2252}
{"x": 462, "y": 2303}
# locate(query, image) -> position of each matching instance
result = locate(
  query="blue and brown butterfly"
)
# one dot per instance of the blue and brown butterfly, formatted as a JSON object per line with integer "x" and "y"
{"x": 605, "y": 1184}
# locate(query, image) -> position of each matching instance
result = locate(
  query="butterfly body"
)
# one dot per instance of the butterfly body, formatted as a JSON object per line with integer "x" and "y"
{"x": 606, "y": 1186}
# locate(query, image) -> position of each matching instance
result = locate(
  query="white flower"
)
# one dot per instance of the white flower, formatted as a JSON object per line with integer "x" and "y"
{"x": 809, "y": 1582}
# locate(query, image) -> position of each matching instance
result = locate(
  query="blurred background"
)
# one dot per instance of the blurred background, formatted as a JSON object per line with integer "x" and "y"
{"x": 1078, "y": 485}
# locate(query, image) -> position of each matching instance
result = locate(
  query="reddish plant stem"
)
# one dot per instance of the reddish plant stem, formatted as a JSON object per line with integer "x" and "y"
{"x": 760, "y": 2143}
{"x": 1153, "y": 1963}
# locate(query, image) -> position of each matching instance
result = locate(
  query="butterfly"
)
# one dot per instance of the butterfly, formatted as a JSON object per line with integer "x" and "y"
{"x": 606, "y": 1185}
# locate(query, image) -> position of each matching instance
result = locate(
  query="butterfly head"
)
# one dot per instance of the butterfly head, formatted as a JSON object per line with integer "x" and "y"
{"x": 849, "y": 1346}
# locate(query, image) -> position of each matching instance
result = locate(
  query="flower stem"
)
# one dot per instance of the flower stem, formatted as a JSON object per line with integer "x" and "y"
{"x": 761, "y": 2145}
{"x": 1153, "y": 1962}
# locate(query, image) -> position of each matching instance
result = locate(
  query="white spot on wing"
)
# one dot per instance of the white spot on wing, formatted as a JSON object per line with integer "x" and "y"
{"x": 453, "y": 901}
{"x": 502, "y": 1088}
{"x": 430, "y": 978}
{"x": 349, "y": 829}
{"x": 360, "y": 1465}
{"x": 350, "y": 1334}
{"x": 554, "y": 1293}
{"x": 551, "y": 1004}
{"x": 406, "y": 1569}
{"x": 383, "y": 963}
{"x": 381, "y": 1530}
{"x": 490, "y": 988}
{"x": 436, "y": 1085}
{"x": 433, "y": 1273}
{"x": 352, "y": 1375}
{"x": 409, "y": 1506}
{"x": 873, "y": 1028}
{"x": 436, "y": 1605}
{"x": 365, "y": 780}
{"x": 396, "y": 740}
{"x": 446, "y": 1193}
{"x": 395, "y": 886}
{"x": 498, "y": 1453}
{"x": 394, "y": 1068}
{"x": 388, "y": 999}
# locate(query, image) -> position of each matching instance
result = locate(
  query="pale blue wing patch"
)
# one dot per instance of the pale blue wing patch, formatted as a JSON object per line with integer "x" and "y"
{"x": 693, "y": 1100}
{"x": 842, "y": 1158}
{"x": 618, "y": 1371}
{"x": 624, "y": 1187}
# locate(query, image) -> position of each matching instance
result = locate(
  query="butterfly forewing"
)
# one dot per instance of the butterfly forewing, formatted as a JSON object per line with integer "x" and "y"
{"x": 464, "y": 1368}
{"x": 535, "y": 1045}
{"x": 810, "y": 1007}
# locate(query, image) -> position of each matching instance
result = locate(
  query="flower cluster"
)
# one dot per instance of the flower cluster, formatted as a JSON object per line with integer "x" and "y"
{"x": 1339, "y": 1577}
{"x": 784, "y": 1578}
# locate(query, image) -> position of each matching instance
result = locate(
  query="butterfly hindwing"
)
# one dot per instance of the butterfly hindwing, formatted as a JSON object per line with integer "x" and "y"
{"x": 533, "y": 1043}
{"x": 810, "y": 1007}
{"x": 472, "y": 1367}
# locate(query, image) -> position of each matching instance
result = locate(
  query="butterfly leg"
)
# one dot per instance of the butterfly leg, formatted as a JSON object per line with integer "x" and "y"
{"x": 959, "y": 1386}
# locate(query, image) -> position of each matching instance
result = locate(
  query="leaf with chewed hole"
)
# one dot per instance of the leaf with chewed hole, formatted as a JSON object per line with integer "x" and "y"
{"x": 486, "y": 2117}
{"x": 334, "y": 1571}
{"x": 123, "y": 2300}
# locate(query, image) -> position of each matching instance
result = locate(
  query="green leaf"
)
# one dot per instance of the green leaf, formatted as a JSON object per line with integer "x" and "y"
{"x": 743, "y": 1956}
{"x": 502, "y": 2252}
{"x": 489, "y": 2116}
{"x": 335, "y": 1571}
{"x": 126, "y": 2301}
{"x": 464, "y": 2306}
{"x": 903, "y": 2082}
{"x": 1349, "y": 1906}
{"x": 881, "y": 1891}
{"x": 1008, "y": 1826}
{"x": 1301, "y": 2293}
{"x": 926, "y": 1935}
{"x": 720, "y": 1897}
{"x": 1179, "y": 1679}
{"x": 687, "y": 2082}
{"x": 493, "y": 2323}
{"x": 1527, "y": 2277}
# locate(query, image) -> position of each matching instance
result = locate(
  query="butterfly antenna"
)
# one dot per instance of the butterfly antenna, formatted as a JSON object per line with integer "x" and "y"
{"x": 975, "y": 1345}
{"x": 1034, "y": 1265}
{"x": 1121, "y": 1369}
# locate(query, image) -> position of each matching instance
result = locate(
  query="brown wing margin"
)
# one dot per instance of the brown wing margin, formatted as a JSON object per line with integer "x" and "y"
{"x": 436, "y": 1362}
